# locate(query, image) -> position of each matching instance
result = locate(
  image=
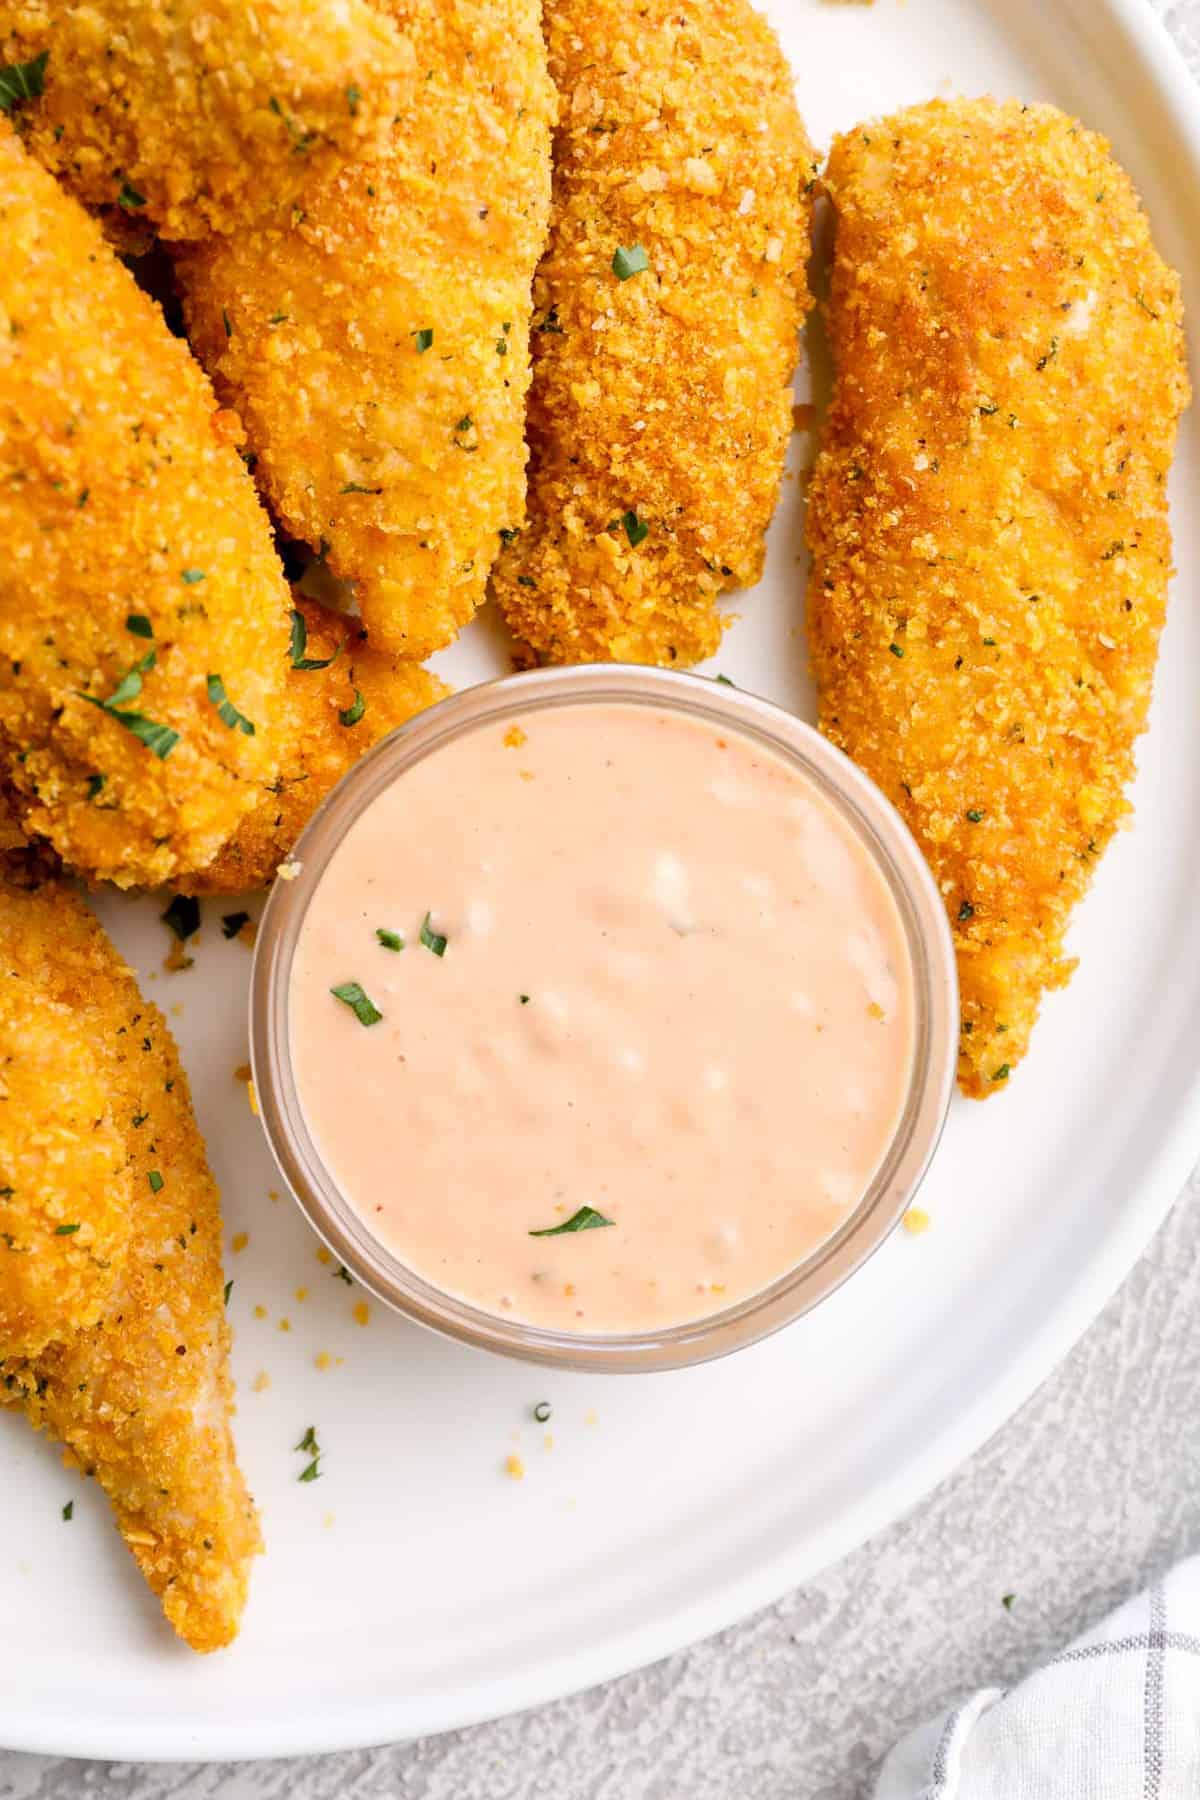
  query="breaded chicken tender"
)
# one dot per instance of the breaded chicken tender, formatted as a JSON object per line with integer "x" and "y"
{"x": 665, "y": 329}
{"x": 143, "y": 611}
{"x": 142, "y": 1399}
{"x": 988, "y": 518}
{"x": 376, "y": 341}
{"x": 65, "y": 1194}
{"x": 350, "y": 696}
{"x": 200, "y": 114}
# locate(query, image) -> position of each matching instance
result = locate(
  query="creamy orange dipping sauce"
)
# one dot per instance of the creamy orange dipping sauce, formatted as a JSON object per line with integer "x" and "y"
{"x": 674, "y": 995}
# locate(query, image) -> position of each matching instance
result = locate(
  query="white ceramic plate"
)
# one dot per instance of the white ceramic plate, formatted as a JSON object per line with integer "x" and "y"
{"x": 415, "y": 1586}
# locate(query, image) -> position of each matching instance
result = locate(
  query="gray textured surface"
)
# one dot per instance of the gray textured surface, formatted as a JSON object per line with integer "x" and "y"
{"x": 1091, "y": 1488}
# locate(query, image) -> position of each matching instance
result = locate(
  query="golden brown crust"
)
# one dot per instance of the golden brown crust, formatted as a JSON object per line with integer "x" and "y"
{"x": 988, "y": 518}
{"x": 332, "y": 717}
{"x": 402, "y": 453}
{"x": 665, "y": 394}
{"x": 199, "y": 114}
{"x": 65, "y": 1196}
{"x": 121, "y": 493}
{"x": 142, "y": 1400}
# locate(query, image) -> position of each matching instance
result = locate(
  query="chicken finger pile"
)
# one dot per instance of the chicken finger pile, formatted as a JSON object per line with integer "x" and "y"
{"x": 291, "y": 295}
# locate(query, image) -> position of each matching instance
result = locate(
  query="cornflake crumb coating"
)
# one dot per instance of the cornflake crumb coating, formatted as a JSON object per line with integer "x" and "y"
{"x": 375, "y": 340}
{"x": 332, "y": 717}
{"x": 200, "y": 114}
{"x": 988, "y": 518}
{"x": 65, "y": 1190}
{"x": 122, "y": 497}
{"x": 661, "y": 400}
{"x": 142, "y": 1400}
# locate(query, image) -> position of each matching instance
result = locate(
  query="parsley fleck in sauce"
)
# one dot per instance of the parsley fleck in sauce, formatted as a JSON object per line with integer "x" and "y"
{"x": 713, "y": 1041}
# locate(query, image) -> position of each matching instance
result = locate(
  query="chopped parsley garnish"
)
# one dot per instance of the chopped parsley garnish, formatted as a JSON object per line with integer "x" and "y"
{"x": 724, "y": 681}
{"x": 192, "y": 576}
{"x": 155, "y": 1180}
{"x": 1002, "y": 1073}
{"x": 183, "y": 916}
{"x": 466, "y": 423}
{"x": 541, "y": 1411}
{"x": 226, "y": 322}
{"x": 586, "y": 1219}
{"x": 352, "y": 995}
{"x": 633, "y": 261}
{"x": 353, "y": 96}
{"x": 501, "y": 346}
{"x": 524, "y": 999}
{"x": 68, "y": 1511}
{"x": 161, "y": 739}
{"x": 550, "y": 324}
{"x": 95, "y": 783}
{"x": 391, "y": 940}
{"x": 22, "y": 81}
{"x": 356, "y": 487}
{"x": 635, "y": 529}
{"x": 424, "y": 338}
{"x": 231, "y": 923}
{"x": 65, "y": 1230}
{"x": 1051, "y": 353}
{"x": 140, "y": 625}
{"x": 228, "y": 1291}
{"x": 975, "y": 814}
{"x": 1006, "y": 1601}
{"x": 896, "y": 649}
{"x": 966, "y": 911}
{"x": 351, "y": 714}
{"x": 308, "y": 1446}
{"x": 130, "y": 684}
{"x": 342, "y": 1273}
{"x": 432, "y": 940}
{"x": 299, "y": 644}
{"x": 129, "y": 200}
{"x": 227, "y": 712}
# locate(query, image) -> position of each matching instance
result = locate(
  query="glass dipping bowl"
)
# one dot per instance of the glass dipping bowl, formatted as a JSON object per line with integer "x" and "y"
{"x": 935, "y": 1005}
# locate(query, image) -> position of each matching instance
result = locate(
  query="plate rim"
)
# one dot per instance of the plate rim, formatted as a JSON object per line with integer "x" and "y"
{"x": 1143, "y": 36}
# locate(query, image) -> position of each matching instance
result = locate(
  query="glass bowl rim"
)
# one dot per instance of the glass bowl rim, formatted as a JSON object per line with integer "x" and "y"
{"x": 931, "y": 950}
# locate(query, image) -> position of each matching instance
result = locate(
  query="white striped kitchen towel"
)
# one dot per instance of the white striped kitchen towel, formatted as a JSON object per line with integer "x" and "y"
{"x": 1114, "y": 1717}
